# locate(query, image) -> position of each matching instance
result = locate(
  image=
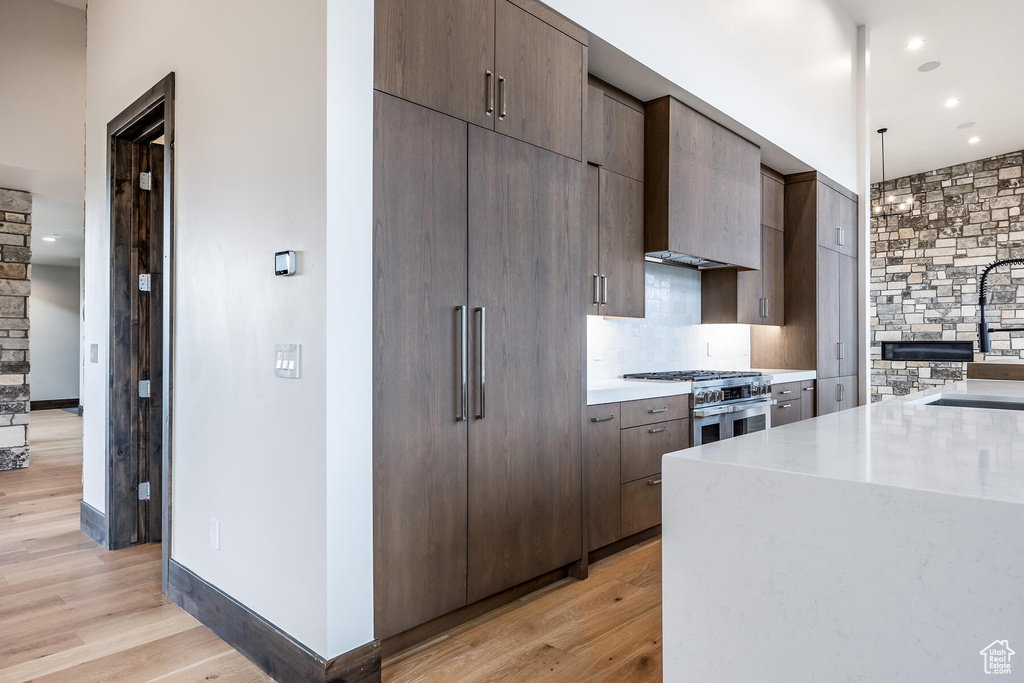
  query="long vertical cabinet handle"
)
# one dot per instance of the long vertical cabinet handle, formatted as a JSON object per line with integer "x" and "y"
{"x": 501, "y": 97}
{"x": 482, "y": 341}
{"x": 597, "y": 290}
{"x": 604, "y": 289}
{"x": 842, "y": 350}
{"x": 463, "y": 414}
{"x": 839, "y": 350}
{"x": 839, "y": 393}
{"x": 490, "y": 93}
{"x": 766, "y": 308}
{"x": 839, "y": 236}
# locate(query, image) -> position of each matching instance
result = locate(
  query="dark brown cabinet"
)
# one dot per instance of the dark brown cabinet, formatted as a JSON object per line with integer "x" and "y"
{"x": 772, "y": 199}
{"x": 642, "y": 447}
{"x": 488, "y": 62}
{"x": 794, "y": 401}
{"x": 752, "y": 297}
{"x": 838, "y": 346}
{"x": 849, "y": 348}
{"x": 837, "y": 221}
{"x": 702, "y": 185}
{"x": 601, "y": 463}
{"x": 419, "y": 448}
{"x": 808, "y": 402}
{"x": 640, "y": 505}
{"x": 623, "y": 138}
{"x": 836, "y": 393}
{"x": 476, "y": 247}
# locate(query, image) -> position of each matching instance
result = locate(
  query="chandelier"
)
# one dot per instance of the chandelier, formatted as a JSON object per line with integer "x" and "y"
{"x": 882, "y": 211}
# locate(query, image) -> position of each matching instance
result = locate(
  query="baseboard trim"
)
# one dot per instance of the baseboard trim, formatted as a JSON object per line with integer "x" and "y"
{"x": 53, "y": 404}
{"x": 93, "y": 523}
{"x": 271, "y": 649}
{"x": 622, "y": 544}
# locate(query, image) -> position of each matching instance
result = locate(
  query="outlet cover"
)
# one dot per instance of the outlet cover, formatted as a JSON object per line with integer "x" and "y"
{"x": 286, "y": 362}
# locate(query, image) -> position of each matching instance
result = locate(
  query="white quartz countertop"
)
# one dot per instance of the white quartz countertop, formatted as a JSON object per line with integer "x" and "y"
{"x": 618, "y": 390}
{"x": 967, "y": 451}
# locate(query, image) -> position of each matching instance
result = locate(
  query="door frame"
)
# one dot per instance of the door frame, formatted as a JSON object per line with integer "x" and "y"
{"x": 153, "y": 109}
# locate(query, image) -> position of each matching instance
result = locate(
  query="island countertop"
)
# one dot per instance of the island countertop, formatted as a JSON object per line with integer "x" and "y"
{"x": 976, "y": 452}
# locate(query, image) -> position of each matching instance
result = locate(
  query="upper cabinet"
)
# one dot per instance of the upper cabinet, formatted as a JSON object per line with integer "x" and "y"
{"x": 623, "y": 139}
{"x": 702, "y": 186}
{"x": 487, "y": 62}
{"x": 773, "y": 199}
{"x": 837, "y": 220}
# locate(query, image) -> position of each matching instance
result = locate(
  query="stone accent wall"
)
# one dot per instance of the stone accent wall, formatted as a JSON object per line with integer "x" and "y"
{"x": 924, "y": 275}
{"x": 15, "y": 272}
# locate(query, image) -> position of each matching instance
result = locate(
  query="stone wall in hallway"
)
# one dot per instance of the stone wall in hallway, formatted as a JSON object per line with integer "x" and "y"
{"x": 15, "y": 273}
{"x": 924, "y": 274}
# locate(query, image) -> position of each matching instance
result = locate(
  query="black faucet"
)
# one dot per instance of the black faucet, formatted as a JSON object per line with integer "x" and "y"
{"x": 984, "y": 345}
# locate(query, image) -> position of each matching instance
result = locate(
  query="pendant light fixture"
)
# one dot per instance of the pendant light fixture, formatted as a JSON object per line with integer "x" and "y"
{"x": 882, "y": 210}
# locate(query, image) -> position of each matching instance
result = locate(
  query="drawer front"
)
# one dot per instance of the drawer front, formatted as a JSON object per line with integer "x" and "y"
{"x": 649, "y": 411}
{"x": 642, "y": 447}
{"x": 787, "y": 411}
{"x": 807, "y": 390}
{"x": 641, "y": 505}
{"x": 601, "y": 467}
{"x": 790, "y": 391}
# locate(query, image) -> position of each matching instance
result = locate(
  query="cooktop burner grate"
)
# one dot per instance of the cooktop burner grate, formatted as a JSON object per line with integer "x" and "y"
{"x": 692, "y": 375}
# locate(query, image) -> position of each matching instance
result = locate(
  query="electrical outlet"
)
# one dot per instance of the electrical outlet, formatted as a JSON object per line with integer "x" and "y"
{"x": 215, "y": 533}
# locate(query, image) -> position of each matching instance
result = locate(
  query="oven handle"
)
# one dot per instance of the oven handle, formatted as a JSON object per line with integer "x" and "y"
{"x": 733, "y": 408}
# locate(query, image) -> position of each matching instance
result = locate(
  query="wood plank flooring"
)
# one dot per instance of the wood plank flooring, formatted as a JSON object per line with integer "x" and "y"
{"x": 71, "y": 611}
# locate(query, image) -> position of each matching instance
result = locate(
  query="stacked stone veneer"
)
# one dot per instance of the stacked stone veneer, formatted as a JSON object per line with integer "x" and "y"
{"x": 15, "y": 271}
{"x": 924, "y": 274}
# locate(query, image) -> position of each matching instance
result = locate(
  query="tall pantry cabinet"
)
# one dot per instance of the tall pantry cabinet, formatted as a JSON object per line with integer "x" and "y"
{"x": 478, "y": 340}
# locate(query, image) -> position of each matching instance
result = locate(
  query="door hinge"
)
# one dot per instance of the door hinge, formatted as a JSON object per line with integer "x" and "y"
{"x": 144, "y": 491}
{"x": 144, "y": 389}
{"x": 145, "y": 181}
{"x": 144, "y": 282}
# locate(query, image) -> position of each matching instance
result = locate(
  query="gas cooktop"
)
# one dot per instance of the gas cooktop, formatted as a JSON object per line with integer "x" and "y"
{"x": 692, "y": 375}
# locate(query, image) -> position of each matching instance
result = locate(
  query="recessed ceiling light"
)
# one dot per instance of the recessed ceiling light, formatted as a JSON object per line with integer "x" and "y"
{"x": 952, "y": 102}
{"x": 929, "y": 66}
{"x": 966, "y": 124}
{"x": 915, "y": 44}
{"x": 49, "y": 239}
{"x": 974, "y": 140}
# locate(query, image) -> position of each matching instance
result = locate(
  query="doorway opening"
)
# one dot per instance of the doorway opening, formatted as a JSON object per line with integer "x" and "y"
{"x": 141, "y": 289}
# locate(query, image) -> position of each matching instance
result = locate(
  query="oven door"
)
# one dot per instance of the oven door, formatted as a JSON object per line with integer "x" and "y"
{"x": 724, "y": 422}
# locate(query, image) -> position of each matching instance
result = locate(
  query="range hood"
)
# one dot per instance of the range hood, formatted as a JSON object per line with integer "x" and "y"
{"x": 674, "y": 258}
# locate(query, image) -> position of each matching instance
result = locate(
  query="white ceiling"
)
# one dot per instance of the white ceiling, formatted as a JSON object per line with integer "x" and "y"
{"x": 980, "y": 46}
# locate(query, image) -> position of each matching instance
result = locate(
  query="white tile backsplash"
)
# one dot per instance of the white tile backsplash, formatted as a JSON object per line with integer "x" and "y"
{"x": 670, "y": 337}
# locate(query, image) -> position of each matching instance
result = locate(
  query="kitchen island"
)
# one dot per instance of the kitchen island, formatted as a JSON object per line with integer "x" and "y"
{"x": 882, "y": 543}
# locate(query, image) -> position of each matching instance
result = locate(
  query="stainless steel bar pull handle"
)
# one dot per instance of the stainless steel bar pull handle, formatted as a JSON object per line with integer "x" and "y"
{"x": 839, "y": 351}
{"x": 597, "y": 290}
{"x": 606, "y": 418}
{"x": 490, "y": 93}
{"x": 653, "y": 482}
{"x": 786, "y": 405}
{"x": 787, "y": 391}
{"x": 482, "y": 341}
{"x": 766, "y": 308}
{"x": 808, "y": 388}
{"x": 842, "y": 351}
{"x": 655, "y": 411}
{"x": 842, "y": 393}
{"x": 604, "y": 289}
{"x": 839, "y": 393}
{"x": 839, "y": 236}
{"x": 659, "y": 430}
{"x": 462, "y": 414}
{"x": 501, "y": 98}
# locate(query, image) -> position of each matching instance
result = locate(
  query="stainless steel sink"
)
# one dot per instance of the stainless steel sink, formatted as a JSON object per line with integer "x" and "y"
{"x": 965, "y": 401}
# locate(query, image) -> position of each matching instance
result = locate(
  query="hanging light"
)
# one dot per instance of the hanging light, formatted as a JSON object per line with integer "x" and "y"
{"x": 883, "y": 210}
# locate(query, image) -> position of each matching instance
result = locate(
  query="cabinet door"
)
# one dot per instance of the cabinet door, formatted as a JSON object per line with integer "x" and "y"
{"x": 641, "y": 505}
{"x": 622, "y": 245}
{"x": 828, "y": 313}
{"x": 419, "y": 447}
{"x": 540, "y": 81}
{"x": 623, "y": 139}
{"x": 592, "y": 240}
{"x": 847, "y": 216}
{"x": 807, "y": 389}
{"x": 643, "y": 447}
{"x": 828, "y": 395}
{"x": 593, "y": 131}
{"x": 601, "y": 464}
{"x": 829, "y": 216}
{"x": 848, "y": 392}
{"x": 437, "y": 53}
{"x": 773, "y": 276}
{"x": 525, "y": 448}
{"x": 785, "y": 412}
{"x": 848, "y": 316}
{"x": 772, "y": 202}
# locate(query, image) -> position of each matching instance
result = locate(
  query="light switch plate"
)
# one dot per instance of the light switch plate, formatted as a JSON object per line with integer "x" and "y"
{"x": 286, "y": 362}
{"x": 94, "y": 353}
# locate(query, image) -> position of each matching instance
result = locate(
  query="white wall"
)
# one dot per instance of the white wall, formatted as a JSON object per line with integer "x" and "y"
{"x": 249, "y": 181}
{"x": 783, "y": 68}
{"x": 53, "y": 342}
{"x": 668, "y": 337}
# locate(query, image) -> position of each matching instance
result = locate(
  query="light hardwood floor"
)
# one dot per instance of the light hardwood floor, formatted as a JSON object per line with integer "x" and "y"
{"x": 71, "y": 611}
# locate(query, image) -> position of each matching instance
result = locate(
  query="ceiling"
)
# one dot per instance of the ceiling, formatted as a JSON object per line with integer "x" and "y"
{"x": 979, "y": 45}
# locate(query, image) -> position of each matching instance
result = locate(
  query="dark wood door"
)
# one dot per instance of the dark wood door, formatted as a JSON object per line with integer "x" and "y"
{"x": 847, "y": 216}
{"x": 828, "y": 395}
{"x": 593, "y": 130}
{"x": 829, "y": 216}
{"x": 749, "y": 290}
{"x": 601, "y": 464}
{"x": 540, "y": 82}
{"x": 772, "y": 202}
{"x": 622, "y": 245}
{"x": 848, "y": 316}
{"x": 623, "y": 139}
{"x": 592, "y": 240}
{"x": 419, "y": 445}
{"x": 773, "y": 275}
{"x": 828, "y": 313}
{"x": 437, "y": 53}
{"x": 807, "y": 400}
{"x": 525, "y": 446}
{"x": 848, "y": 392}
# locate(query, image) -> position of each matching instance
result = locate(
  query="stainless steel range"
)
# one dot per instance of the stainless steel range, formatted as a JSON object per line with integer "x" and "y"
{"x": 723, "y": 404}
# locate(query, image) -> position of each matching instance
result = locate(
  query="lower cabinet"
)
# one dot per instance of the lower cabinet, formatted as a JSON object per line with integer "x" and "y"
{"x": 624, "y": 446}
{"x": 836, "y": 393}
{"x": 794, "y": 401}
